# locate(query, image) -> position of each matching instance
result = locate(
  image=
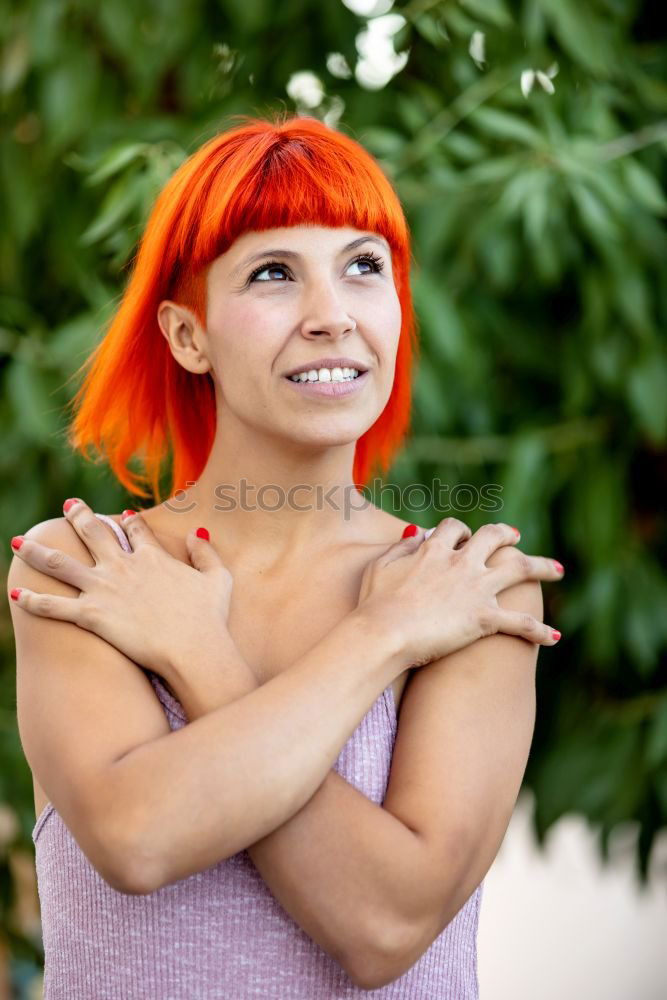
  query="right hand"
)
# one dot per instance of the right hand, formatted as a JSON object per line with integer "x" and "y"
{"x": 442, "y": 597}
{"x": 153, "y": 607}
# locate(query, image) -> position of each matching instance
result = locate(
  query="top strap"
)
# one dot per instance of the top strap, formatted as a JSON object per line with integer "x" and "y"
{"x": 120, "y": 534}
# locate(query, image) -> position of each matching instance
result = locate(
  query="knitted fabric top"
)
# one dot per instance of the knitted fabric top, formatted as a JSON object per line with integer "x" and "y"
{"x": 220, "y": 934}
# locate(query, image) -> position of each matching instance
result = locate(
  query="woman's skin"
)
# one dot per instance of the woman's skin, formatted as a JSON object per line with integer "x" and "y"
{"x": 321, "y": 304}
{"x": 267, "y": 433}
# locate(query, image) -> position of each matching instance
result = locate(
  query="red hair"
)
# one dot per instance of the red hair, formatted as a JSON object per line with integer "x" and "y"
{"x": 135, "y": 397}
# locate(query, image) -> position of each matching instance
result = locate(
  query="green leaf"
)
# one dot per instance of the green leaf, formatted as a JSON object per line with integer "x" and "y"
{"x": 34, "y": 409}
{"x": 442, "y": 321}
{"x": 594, "y": 214}
{"x": 503, "y": 125}
{"x": 71, "y": 342}
{"x": 382, "y": 141}
{"x": 493, "y": 11}
{"x": 632, "y": 296}
{"x": 430, "y": 29}
{"x": 464, "y": 146}
{"x": 117, "y": 204}
{"x": 493, "y": 170}
{"x": 643, "y": 186}
{"x": 647, "y": 395}
{"x": 536, "y": 208}
{"x": 523, "y": 480}
{"x": 115, "y": 160}
{"x": 582, "y": 34}
{"x": 430, "y": 397}
{"x": 520, "y": 189}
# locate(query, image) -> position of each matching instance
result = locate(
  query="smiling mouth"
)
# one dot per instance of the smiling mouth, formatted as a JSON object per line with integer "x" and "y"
{"x": 331, "y": 389}
{"x": 300, "y": 378}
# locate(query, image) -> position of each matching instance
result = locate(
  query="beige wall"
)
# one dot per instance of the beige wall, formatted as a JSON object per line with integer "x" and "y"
{"x": 560, "y": 926}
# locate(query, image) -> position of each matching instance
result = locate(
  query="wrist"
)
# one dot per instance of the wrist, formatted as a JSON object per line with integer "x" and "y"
{"x": 383, "y": 631}
{"x": 212, "y": 675}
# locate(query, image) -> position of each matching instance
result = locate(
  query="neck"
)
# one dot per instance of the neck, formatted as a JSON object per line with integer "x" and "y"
{"x": 271, "y": 504}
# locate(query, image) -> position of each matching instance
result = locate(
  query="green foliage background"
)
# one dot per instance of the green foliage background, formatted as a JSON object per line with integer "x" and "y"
{"x": 540, "y": 282}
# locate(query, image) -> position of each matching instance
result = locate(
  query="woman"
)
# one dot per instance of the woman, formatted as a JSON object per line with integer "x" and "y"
{"x": 241, "y": 835}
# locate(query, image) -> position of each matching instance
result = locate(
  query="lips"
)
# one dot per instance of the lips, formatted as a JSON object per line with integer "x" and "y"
{"x": 330, "y": 390}
{"x": 329, "y": 363}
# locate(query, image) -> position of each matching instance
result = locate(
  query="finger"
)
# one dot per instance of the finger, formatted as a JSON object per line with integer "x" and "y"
{"x": 516, "y": 566}
{"x": 203, "y": 555}
{"x": 52, "y": 562}
{"x": 137, "y": 530}
{"x": 66, "y": 609}
{"x": 527, "y": 626}
{"x": 451, "y": 530}
{"x": 92, "y": 532}
{"x": 412, "y": 538}
{"x": 490, "y": 537}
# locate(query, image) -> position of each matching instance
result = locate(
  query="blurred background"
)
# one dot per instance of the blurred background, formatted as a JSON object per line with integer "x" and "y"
{"x": 527, "y": 140}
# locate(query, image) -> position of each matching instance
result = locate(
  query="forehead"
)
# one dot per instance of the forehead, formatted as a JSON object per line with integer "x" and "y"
{"x": 305, "y": 235}
{"x": 293, "y": 240}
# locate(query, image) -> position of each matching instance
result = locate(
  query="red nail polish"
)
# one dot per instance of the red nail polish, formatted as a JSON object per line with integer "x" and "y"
{"x": 203, "y": 533}
{"x": 17, "y": 542}
{"x": 14, "y": 593}
{"x": 555, "y": 635}
{"x": 411, "y": 530}
{"x": 516, "y": 531}
{"x": 70, "y": 503}
{"x": 559, "y": 566}
{"x": 128, "y": 513}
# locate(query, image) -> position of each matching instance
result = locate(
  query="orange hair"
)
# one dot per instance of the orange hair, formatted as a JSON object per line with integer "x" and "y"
{"x": 135, "y": 397}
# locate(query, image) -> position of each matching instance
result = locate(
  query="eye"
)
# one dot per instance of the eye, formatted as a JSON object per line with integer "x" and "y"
{"x": 273, "y": 265}
{"x": 376, "y": 264}
{"x": 369, "y": 258}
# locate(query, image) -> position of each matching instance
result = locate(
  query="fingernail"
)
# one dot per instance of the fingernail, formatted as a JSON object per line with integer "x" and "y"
{"x": 14, "y": 594}
{"x": 17, "y": 541}
{"x": 555, "y": 635}
{"x": 128, "y": 513}
{"x": 559, "y": 566}
{"x": 70, "y": 503}
{"x": 203, "y": 533}
{"x": 516, "y": 531}
{"x": 411, "y": 530}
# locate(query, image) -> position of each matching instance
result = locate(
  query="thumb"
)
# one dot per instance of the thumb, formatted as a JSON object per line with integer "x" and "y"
{"x": 203, "y": 555}
{"x": 412, "y": 538}
{"x": 413, "y": 530}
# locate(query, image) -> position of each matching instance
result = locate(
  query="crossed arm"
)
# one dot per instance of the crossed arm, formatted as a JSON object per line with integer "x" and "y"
{"x": 382, "y": 882}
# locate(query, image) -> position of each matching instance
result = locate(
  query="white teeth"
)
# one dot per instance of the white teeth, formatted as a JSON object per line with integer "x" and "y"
{"x": 326, "y": 375}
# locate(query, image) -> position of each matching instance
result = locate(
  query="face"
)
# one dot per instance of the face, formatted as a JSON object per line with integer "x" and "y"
{"x": 299, "y": 298}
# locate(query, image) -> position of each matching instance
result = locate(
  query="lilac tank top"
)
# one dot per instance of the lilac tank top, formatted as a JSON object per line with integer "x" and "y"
{"x": 220, "y": 934}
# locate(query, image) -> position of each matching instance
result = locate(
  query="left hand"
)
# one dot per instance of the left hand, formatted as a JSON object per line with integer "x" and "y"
{"x": 149, "y": 605}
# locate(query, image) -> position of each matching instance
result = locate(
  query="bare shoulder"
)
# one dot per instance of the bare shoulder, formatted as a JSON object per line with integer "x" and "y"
{"x": 58, "y": 533}
{"x": 81, "y": 704}
{"x": 389, "y": 528}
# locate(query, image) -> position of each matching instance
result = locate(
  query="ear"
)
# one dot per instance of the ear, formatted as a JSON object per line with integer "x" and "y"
{"x": 183, "y": 332}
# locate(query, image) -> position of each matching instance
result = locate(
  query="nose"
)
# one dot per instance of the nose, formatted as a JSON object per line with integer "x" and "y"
{"x": 325, "y": 313}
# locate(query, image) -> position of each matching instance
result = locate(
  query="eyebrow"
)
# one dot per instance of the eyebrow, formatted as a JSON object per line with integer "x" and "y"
{"x": 277, "y": 252}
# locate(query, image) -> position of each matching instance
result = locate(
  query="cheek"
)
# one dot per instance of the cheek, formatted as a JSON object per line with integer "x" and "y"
{"x": 386, "y": 321}
{"x": 396, "y": 319}
{"x": 245, "y": 337}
